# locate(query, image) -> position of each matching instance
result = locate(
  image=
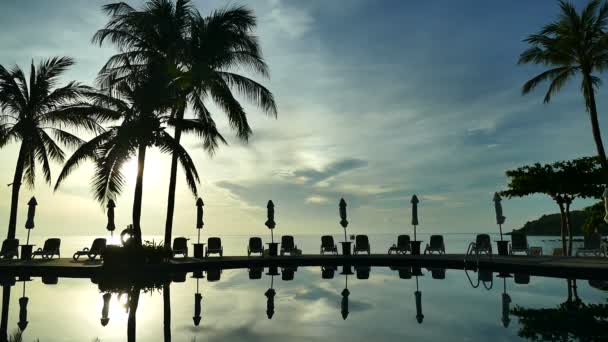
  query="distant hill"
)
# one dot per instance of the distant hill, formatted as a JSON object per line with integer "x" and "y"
{"x": 550, "y": 224}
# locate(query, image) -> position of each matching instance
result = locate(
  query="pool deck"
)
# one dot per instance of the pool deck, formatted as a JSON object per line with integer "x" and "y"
{"x": 547, "y": 266}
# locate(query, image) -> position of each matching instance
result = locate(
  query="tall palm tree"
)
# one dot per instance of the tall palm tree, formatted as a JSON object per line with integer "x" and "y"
{"x": 200, "y": 54}
{"x": 574, "y": 44}
{"x": 139, "y": 107}
{"x": 36, "y": 113}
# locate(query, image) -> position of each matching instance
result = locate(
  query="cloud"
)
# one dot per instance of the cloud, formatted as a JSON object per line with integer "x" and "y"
{"x": 317, "y": 199}
{"x": 313, "y": 176}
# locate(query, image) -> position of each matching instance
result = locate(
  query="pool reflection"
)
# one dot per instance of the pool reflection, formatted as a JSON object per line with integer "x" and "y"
{"x": 565, "y": 318}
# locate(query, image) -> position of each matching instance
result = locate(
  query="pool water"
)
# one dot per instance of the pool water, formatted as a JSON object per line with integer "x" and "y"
{"x": 390, "y": 305}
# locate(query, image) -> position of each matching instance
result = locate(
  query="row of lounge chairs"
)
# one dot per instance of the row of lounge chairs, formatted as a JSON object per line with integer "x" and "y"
{"x": 482, "y": 245}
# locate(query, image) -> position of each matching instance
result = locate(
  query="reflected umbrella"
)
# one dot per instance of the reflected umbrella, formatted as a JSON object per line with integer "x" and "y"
{"x": 198, "y": 298}
{"x": 270, "y": 293}
{"x": 506, "y": 302}
{"x": 105, "y": 319}
{"x": 23, "y": 301}
{"x": 346, "y": 271}
{"x": 111, "y": 226}
{"x": 418, "y": 296}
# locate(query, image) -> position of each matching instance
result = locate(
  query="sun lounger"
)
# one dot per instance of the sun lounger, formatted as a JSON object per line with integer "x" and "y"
{"x": 402, "y": 246}
{"x": 481, "y": 245}
{"x": 288, "y": 273}
{"x": 328, "y": 272}
{"x": 214, "y": 274}
{"x": 362, "y": 271}
{"x": 214, "y": 246}
{"x": 288, "y": 246}
{"x": 328, "y": 245}
{"x": 593, "y": 246}
{"x": 10, "y": 249}
{"x": 436, "y": 245}
{"x": 50, "y": 248}
{"x": 361, "y": 244}
{"x": 180, "y": 246}
{"x": 255, "y": 246}
{"x": 519, "y": 243}
{"x": 255, "y": 272}
{"x": 97, "y": 249}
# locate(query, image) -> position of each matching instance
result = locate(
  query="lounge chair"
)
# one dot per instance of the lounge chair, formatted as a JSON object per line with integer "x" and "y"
{"x": 405, "y": 272}
{"x": 328, "y": 272}
{"x": 255, "y": 246}
{"x": 436, "y": 245}
{"x": 402, "y": 246}
{"x": 178, "y": 277}
{"x": 361, "y": 244}
{"x": 437, "y": 273}
{"x": 50, "y": 248}
{"x": 214, "y": 274}
{"x": 521, "y": 278}
{"x": 288, "y": 245}
{"x": 328, "y": 245}
{"x": 593, "y": 246}
{"x": 214, "y": 246}
{"x": 255, "y": 272}
{"x": 362, "y": 271}
{"x": 519, "y": 243}
{"x": 180, "y": 246}
{"x": 288, "y": 272}
{"x": 97, "y": 249}
{"x": 50, "y": 279}
{"x": 10, "y": 249}
{"x": 481, "y": 245}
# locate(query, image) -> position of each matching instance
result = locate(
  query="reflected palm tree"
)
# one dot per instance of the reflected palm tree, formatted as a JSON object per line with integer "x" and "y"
{"x": 133, "y": 303}
{"x": 6, "y": 299}
{"x": 200, "y": 56}
{"x": 167, "y": 312}
{"x": 36, "y": 114}
{"x": 572, "y": 320}
{"x": 574, "y": 44}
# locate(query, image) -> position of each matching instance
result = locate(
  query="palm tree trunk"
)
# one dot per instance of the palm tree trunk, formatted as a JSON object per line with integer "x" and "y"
{"x": 139, "y": 185}
{"x": 173, "y": 183}
{"x": 12, "y": 224}
{"x": 563, "y": 226}
{"x": 569, "y": 227}
{"x": 132, "y": 320}
{"x": 167, "y": 312}
{"x": 6, "y": 298}
{"x": 595, "y": 125}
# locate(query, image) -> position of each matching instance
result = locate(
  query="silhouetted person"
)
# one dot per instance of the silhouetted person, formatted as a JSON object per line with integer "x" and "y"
{"x": 105, "y": 319}
{"x": 198, "y": 298}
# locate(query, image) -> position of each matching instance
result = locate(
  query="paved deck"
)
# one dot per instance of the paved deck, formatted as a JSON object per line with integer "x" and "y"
{"x": 548, "y": 266}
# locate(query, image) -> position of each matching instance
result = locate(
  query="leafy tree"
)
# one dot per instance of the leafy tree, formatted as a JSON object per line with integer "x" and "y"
{"x": 139, "y": 107}
{"x": 563, "y": 181}
{"x": 201, "y": 55}
{"x": 574, "y": 44}
{"x": 36, "y": 114}
{"x": 594, "y": 223}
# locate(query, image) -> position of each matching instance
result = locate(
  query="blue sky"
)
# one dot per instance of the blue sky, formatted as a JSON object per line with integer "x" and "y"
{"x": 378, "y": 100}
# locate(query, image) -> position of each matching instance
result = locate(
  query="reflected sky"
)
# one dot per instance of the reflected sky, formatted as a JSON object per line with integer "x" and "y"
{"x": 307, "y": 308}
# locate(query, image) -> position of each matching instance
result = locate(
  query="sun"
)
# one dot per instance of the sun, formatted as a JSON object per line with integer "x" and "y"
{"x": 152, "y": 169}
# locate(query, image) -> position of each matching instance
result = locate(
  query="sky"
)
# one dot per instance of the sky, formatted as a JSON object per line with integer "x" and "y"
{"x": 377, "y": 101}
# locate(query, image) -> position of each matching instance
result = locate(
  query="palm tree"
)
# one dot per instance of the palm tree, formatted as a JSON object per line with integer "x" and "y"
{"x": 139, "y": 106}
{"x": 200, "y": 55}
{"x": 36, "y": 113}
{"x": 574, "y": 44}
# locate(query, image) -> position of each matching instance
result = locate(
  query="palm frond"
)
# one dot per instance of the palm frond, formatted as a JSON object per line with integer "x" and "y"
{"x": 252, "y": 90}
{"x": 167, "y": 144}
{"x": 545, "y": 75}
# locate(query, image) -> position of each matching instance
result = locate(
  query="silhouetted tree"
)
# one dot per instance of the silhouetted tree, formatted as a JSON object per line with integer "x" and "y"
{"x": 36, "y": 114}
{"x": 200, "y": 54}
{"x": 572, "y": 320}
{"x": 139, "y": 107}
{"x": 563, "y": 181}
{"x": 574, "y": 44}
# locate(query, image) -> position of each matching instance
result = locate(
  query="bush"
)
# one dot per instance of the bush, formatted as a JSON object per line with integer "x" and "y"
{"x": 134, "y": 255}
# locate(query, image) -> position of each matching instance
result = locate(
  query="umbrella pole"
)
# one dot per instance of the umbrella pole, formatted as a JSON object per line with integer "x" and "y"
{"x": 271, "y": 236}
{"x": 28, "y": 237}
{"x": 416, "y": 283}
{"x": 500, "y": 229}
{"x": 345, "y": 240}
{"x": 415, "y": 233}
{"x": 199, "y": 236}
